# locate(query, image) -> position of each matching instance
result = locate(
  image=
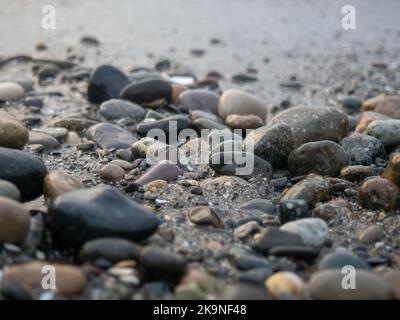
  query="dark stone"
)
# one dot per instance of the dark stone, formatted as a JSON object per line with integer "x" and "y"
{"x": 339, "y": 260}
{"x": 297, "y": 252}
{"x": 199, "y": 99}
{"x": 146, "y": 92}
{"x": 109, "y": 136}
{"x": 292, "y": 209}
{"x": 274, "y": 237}
{"x": 262, "y": 205}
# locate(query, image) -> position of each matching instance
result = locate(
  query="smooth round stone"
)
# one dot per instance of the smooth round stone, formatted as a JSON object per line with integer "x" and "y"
{"x": 199, "y": 99}
{"x": 105, "y": 83}
{"x": 313, "y": 188}
{"x": 177, "y": 89}
{"x": 58, "y": 133}
{"x": 339, "y": 260}
{"x": 285, "y": 284}
{"x": 327, "y": 285}
{"x": 167, "y": 124}
{"x": 147, "y": 91}
{"x": 329, "y": 212}
{"x": 98, "y": 212}
{"x": 242, "y": 164}
{"x": 274, "y": 237}
{"x": 109, "y": 249}
{"x": 242, "y": 260}
{"x": 392, "y": 171}
{"x": 203, "y": 215}
{"x": 378, "y": 193}
{"x": 124, "y": 154}
{"x": 72, "y": 122}
{"x": 218, "y": 136}
{"x": 227, "y": 146}
{"x": 273, "y": 144}
{"x": 247, "y": 229}
{"x": 366, "y": 118}
{"x": 313, "y": 231}
{"x": 24, "y": 170}
{"x": 372, "y": 234}
{"x": 292, "y": 209}
{"x": 112, "y": 172}
{"x": 321, "y": 157}
{"x": 208, "y": 124}
{"x": 109, "y": 136}
{"x": 9, "y": 190}
{"x": 296, "y": 252}
{"x": 199, "y": 114}
{"x": 243, "y": 122}
{"x": 14, "y": 221}
{"x": 10, "y": 91}
{"x": 262, "y": 205}
{"x": 36, "y": 102}
{"x": 256, "y": 276}
{"x": 48, "y": 142}
{"x": 116, "y": 109}
{"x": 161, "y": 264}
{"x": 389, "y": 106}
{"x": 313, "y": 124}
{"x": 392, "y": 278}
{"x": 238, "y": 102}
{"x": 161, "y": 171}
{"x": 386, "y": 131}
{"x": 352, "y": 105}
{"x": 357, "y": 173}
{"x": 123, "y": 164}
{"x": 28, "y": 278}
{"x": 57, "y": 183}
{"x": 13, "y": 133}
{"x": 363, "y": 149}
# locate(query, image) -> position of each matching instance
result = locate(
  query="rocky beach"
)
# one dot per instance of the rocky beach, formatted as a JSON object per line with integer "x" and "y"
{"x": 118, "y": 213}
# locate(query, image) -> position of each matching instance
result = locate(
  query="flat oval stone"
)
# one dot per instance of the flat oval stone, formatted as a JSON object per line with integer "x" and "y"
{"x": 10, "y": 91}
{"x": 313, "y": 231}
{"x": 24, "y": 170}
{"x": 259, "y": 204}
{"x": 378, "y": 193}
{"x": 389, "y": 106}
{"x": 199, "y": 99}
{"x": 146, "y": 92}
{"x": 243, "y": 122}
{"x": 203, "y": 215}
{"x": 310, "y": 124}
{"x": 48, "y": 142}
{"x": 235, "y": 101}
{"x": 167, "y": 125}
{"x": 72, "y": 122}
{"x": 321, "y": 157}
{"x": 87, "y": 214}
{"x": 14, "y": 221}
{"x": 208, "y": 124}
{"x": 386, "y": 131}
{"x": 297, "y": 252}
{"x": 109, "y": 136}
{"x": 357, "y": 173}
{"x": 112, "y": 172}
{"x": 274, "y": 237}
{"x": 57, "y": 183}
{"x": 9, "y": 190}
{"x": 13, "y": 133}
{"x": 58, "y": 133}
{"x": 372, "y": 234}
{"x": 339, "y": 260}
{"x": 105, "y": 83}
{"x": 116, "y": 109}
{"x": 161, "y": 171}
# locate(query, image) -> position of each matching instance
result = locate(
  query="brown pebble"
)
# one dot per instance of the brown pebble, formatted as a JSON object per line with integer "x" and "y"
{"x": 14, "y": 221}
{"x": 378, "y": 193}
{"x": 112, "y": 172}
{"x": 204, "y": 215}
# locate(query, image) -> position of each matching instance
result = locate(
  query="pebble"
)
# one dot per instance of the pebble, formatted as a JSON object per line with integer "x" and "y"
{"x": 234, "y": 101}
{"x": 227, "y": 146}
{"x": 366, "y": 118}
{"x": 10, "y": 91}
{"x": 14, "y": 221}
{"x": 161, "y": 171}
{"x": 203, "y": 215}
{"x": 123, "y": 164}
{"x": 117, "y": 109}
{"x": 274, "y": 237}
{"x": 246, "y": 230}
{"x": 292, "y": 209}
{"x": 199, "y": 99}
{"x": 313, "y": 231}
{"x": 389, "y": 105}
{"x": 297, "y": 252}
{"x": 147, "y": 92}
{"x": 245, "y": 261}
{"x": 57, "y": 183}
{"x": 363, "y": 149}
{"x": 313, "y": 124}
{"x": 372, "y": 234}
{"x": 357, "y": 173}
{"x": 105, "y": 83}
{"x": 378, "y": 193}
{"x": 352, "y": 104}
{"x": 327, "y": 285}
{"x": 57, "y": 133}
{"x": 207, "y": 124}
{"x": 392, "y": 171}
{"x": 124, "y": 154}
{"x": 313, "y": 188}
{"x": 392, "y": 277}
{"x": 321, "y": 157}
{"x": 34, "y": 102}
{"x": 48, "y": 142}
{"x": 166, "y": 124}
{"x": 258, "y": 204}
{"x": 13, "y": 133}
{"x": 284, "y": 285}
{"x": 243, "y": 291}
{"x": 9, "y": 190}
{"x": 272, "y": 144}
{"x": 386, "y": 131}
{"x": 243, "y": 122}
{"x": 112, "y": 172}
{"x": 112, "y": 250}
{"x": 24, "y": 170}
{"x": 72, "y": 122}
{"x": 338, "y": 260}
{"x": 98, "y": 212}
{"x": 330, "y": 211}
{"x": 109, "y": 136}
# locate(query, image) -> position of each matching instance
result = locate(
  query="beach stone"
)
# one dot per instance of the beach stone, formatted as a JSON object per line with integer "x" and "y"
{"x": 177, "y": 89}
{"x": 124, "y": 154}
{"x": 98, "y": 212}
{"x": 356, "y": 173}
{"x": 199, "y": 99}
{"x": 246, "y": 230}
{"x": 386, "y": 131}
{"x": 296, "y": 252}
{"x": 243, "y": 260}
{"x": 321, "y": 157}
{"x": 329, "y": 212}
{"x": 274, "y": 237}
{"x": 146, "y": 92}
{"x": 57, "y": 183}
{"x": 389, "y": 105}
{"x": 116, "y": 109}
{"x": 392, "y": 171}
{"x": 9, "y": 190}
{"x": 161, "y": 171}
{"x": 179, "y": 122}
{"x": 352, "y": 105}
{"x": 199, "y": 114}
{"x": 273, "y": 144}
{"x": 207, "y": 124}
{"x": 292, "y": 209}
{"x": 313, "y": 188}
{"x": 14, "y": 221}
{"x": 227, "y": 146}
{"x": 372, "y": 234}
{"x": 366, "y": 118}
{"x": 243, "y": 122}
{"x": 105, "y": 83}
{"x": 109, "y": 136}
{"x": 313, "y": 124}
{"x": 10, "y": 91}
{"x": 72, "y": 122}
{"x": 313, "y": 231}
{"x": 24, "y": 170}
{"x": 112, "y": 250}
{"x": 392, "y": 278}
{"x": 327, "y": 285}
{"x": 363, "y": 149}
{"x": 258, "y": 204}
{"x": 112, "y": 172}
{"x": 378, "y": 193}
{"x": 48, "y": 142}
{"x": 203, "y": 215}
{"x": 285, "y": 284}
{"x": 27, "y": 277}
{"x": 243, "y": 291}
{"x": 13, "y": 133}
{"x": 234, "y": 101}
{"x": 126, "y": 165}
{"x": 337, "y": 260}
{"x": 217, "y": 136}
{"x": 57, "y": 133}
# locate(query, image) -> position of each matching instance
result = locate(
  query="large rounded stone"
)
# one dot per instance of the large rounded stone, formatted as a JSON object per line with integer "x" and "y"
{"x": 313, "y": 231}
{"x": 162, "y": 171}
{"x": 386, "y": 131}
{"x": 363, "y": 149}
{"x": 14, "y": 221}
{"x": 243, "y": 122}
{"x": 378, "y": 193}
{"x": 389, "y": 105}
{"x": 146, "y": 92}
{"x": 116, "y": 109}
{"x": 366, "y": 118}
{"x": 57, "y": 183}
{"x": 199, "y": 99}
{"x": 48, "y": 142}
{"x": 274, "y": 237}
{"x": 13, "y": 133}
{"x": 339, "y": 260}
{"x": 9, "y": 190}
{"x": 10, "y": 91}
{"x": 392, "y": 171}
{"x": 110, "y": 136}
